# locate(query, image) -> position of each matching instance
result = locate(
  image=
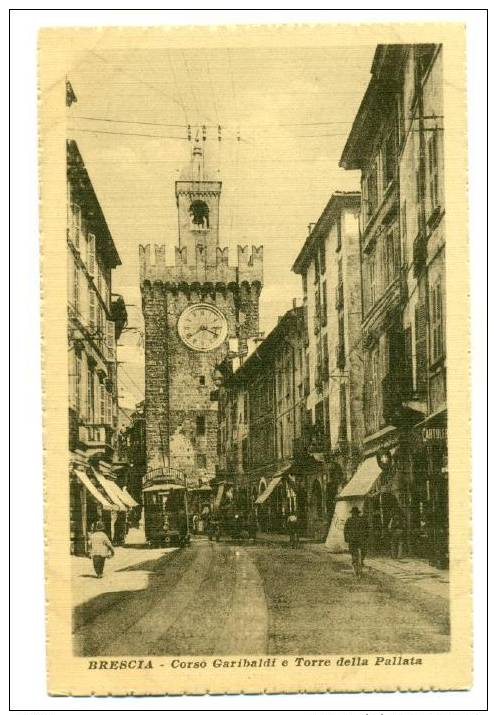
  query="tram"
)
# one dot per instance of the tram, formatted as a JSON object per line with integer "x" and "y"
{"x": 165, "y": 509}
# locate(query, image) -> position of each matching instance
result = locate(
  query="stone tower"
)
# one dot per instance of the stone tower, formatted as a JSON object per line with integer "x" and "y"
{"x": 191, "y": 311}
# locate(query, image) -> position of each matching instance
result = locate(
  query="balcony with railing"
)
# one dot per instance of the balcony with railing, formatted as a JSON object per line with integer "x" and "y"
{"x": 96, "y": 435}
{"x": 314, "y": 440}
{"x": 392, "y": 295}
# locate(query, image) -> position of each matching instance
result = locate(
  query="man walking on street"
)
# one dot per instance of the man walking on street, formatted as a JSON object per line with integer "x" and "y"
{"x": 356, "y": 535}
{"x": 396, "y": 529}
{"x": 100, "y": 548}
{"x": 292, "y": 525}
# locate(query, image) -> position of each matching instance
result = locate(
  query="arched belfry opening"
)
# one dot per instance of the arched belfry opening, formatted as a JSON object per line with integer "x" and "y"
{"x": 199, "y": 214}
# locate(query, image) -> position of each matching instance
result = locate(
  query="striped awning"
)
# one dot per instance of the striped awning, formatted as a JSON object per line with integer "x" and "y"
{"x": 95, "y": 492}
{"x": 268, "y": 490}
{"x": 362, "y": 481}
{"x": 112, "y": 490}
{"x": 219, "y": 496}
{"x": 128, "y": 499}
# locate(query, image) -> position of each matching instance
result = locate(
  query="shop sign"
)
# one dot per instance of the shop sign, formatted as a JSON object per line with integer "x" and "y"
{"x": 434, "y": 434}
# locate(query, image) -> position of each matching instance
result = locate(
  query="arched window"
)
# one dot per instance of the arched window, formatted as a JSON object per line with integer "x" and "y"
{"x": 199, "y": 213}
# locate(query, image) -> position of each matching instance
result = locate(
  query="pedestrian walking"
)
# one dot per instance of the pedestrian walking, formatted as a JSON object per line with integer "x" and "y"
{"x": 252, "y": 525}
{"x": 292, "y": 526}
{"x": 195, "y": 520}
{"x": 100, "y": 548}
{"x": 396, "y": 531}
{"x": 356, "y": 536}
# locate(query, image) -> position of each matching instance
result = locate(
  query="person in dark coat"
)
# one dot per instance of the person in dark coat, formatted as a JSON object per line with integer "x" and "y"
{"x": 293, "y": 526}
{"x": 396, "y": 528}
{"x": 252, "y": 525}
{"x": 356, "y": 535}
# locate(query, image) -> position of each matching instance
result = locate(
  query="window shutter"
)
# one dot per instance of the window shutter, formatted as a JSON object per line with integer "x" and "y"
{"x": 108, "y": 417}
{"x": 102, "y": 402}
{"x": 89, "y": 395}
{"x": 76, "y": 288}
{"x": 76, "y": 224}
{"x": 408, "y": 357}
{"x": 78, "y": 384}
{"x": 110, "y": 340}
{"x": 420, "y": 329}
{"x": 440, "y": 319}
{"x": 91, "y": 254}
{"x": 92, "y": 309}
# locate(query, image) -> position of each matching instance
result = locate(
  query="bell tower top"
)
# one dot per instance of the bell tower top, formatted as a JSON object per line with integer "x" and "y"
{"x": 198, "y": 192}
{"x": 198, "y": 169}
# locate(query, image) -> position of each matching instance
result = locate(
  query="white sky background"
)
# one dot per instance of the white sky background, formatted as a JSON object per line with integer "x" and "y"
{"x": 293, "y": 109}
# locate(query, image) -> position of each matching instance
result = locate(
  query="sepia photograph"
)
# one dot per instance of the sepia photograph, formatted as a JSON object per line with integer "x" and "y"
{"x": 257, "y": 458}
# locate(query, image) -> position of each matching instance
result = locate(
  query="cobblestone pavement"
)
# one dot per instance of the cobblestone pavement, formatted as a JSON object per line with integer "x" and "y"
{"x": 231, "y": 598}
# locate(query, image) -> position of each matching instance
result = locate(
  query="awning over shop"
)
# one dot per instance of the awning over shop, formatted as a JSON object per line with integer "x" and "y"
{"x": 363, "y": 480}
{"x": 219, "y": 496}
{"x": 128, "y": 499}
{"x": 112, "y": 490}
{"x": 92, "y": 488}
{"x": 268, "y": 490}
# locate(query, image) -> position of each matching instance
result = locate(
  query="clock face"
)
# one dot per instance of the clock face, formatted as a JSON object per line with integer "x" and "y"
{"x": 202, "y": 327}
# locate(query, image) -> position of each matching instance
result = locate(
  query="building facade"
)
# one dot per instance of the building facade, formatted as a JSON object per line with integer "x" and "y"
{"x": 271, "y": 455}
{"x": 132, "y": 454}
{"x": 96, "y": 317}
{"x": 329, "y": 263}
{"x": 192, "y": 310}
{"x": 397, "y": 143}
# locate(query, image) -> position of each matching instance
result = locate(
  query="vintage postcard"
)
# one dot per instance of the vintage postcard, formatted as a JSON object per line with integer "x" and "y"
{"x": 255, "y": 359}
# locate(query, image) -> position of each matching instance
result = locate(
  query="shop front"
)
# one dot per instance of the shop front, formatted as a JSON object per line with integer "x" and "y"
{"x": 431, "y": 489}
{"x": 95, "y": 496}
{"x": 356, "y": 493}
{"x": 275, "y": 500}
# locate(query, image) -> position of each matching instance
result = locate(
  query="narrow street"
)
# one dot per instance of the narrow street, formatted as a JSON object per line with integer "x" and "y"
{"x": 230, "y": 598}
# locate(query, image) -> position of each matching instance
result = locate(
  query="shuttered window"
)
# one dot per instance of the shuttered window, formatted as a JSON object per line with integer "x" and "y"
{"x": 433, "y": 169}
{"x": 90, "y": 261}
{"x": 110, "y": 340}
{"x": 372, "y": 280}
{"x": 324, "y": 307}
{"x": 108, "y": 406}
{"x": 420, "y": 329}
{"x": 77, "y": 383}
{"x": 76, "y": 288}
{"x": 76, "y": 224}
{"x": 90, "y": 396}
{"x": 103, "y": 393}
{"x": 92, "y": 303}
{"x": 437, "y": 341}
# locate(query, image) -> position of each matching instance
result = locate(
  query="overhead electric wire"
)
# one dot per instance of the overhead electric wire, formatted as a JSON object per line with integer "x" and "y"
{"x": 125, "y": 134}
{"x": 127, "y": 121}
{"x": 210, "y": 126}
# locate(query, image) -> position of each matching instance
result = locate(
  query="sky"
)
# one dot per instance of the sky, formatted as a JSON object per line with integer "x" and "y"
{"x": 284, "y": 113}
